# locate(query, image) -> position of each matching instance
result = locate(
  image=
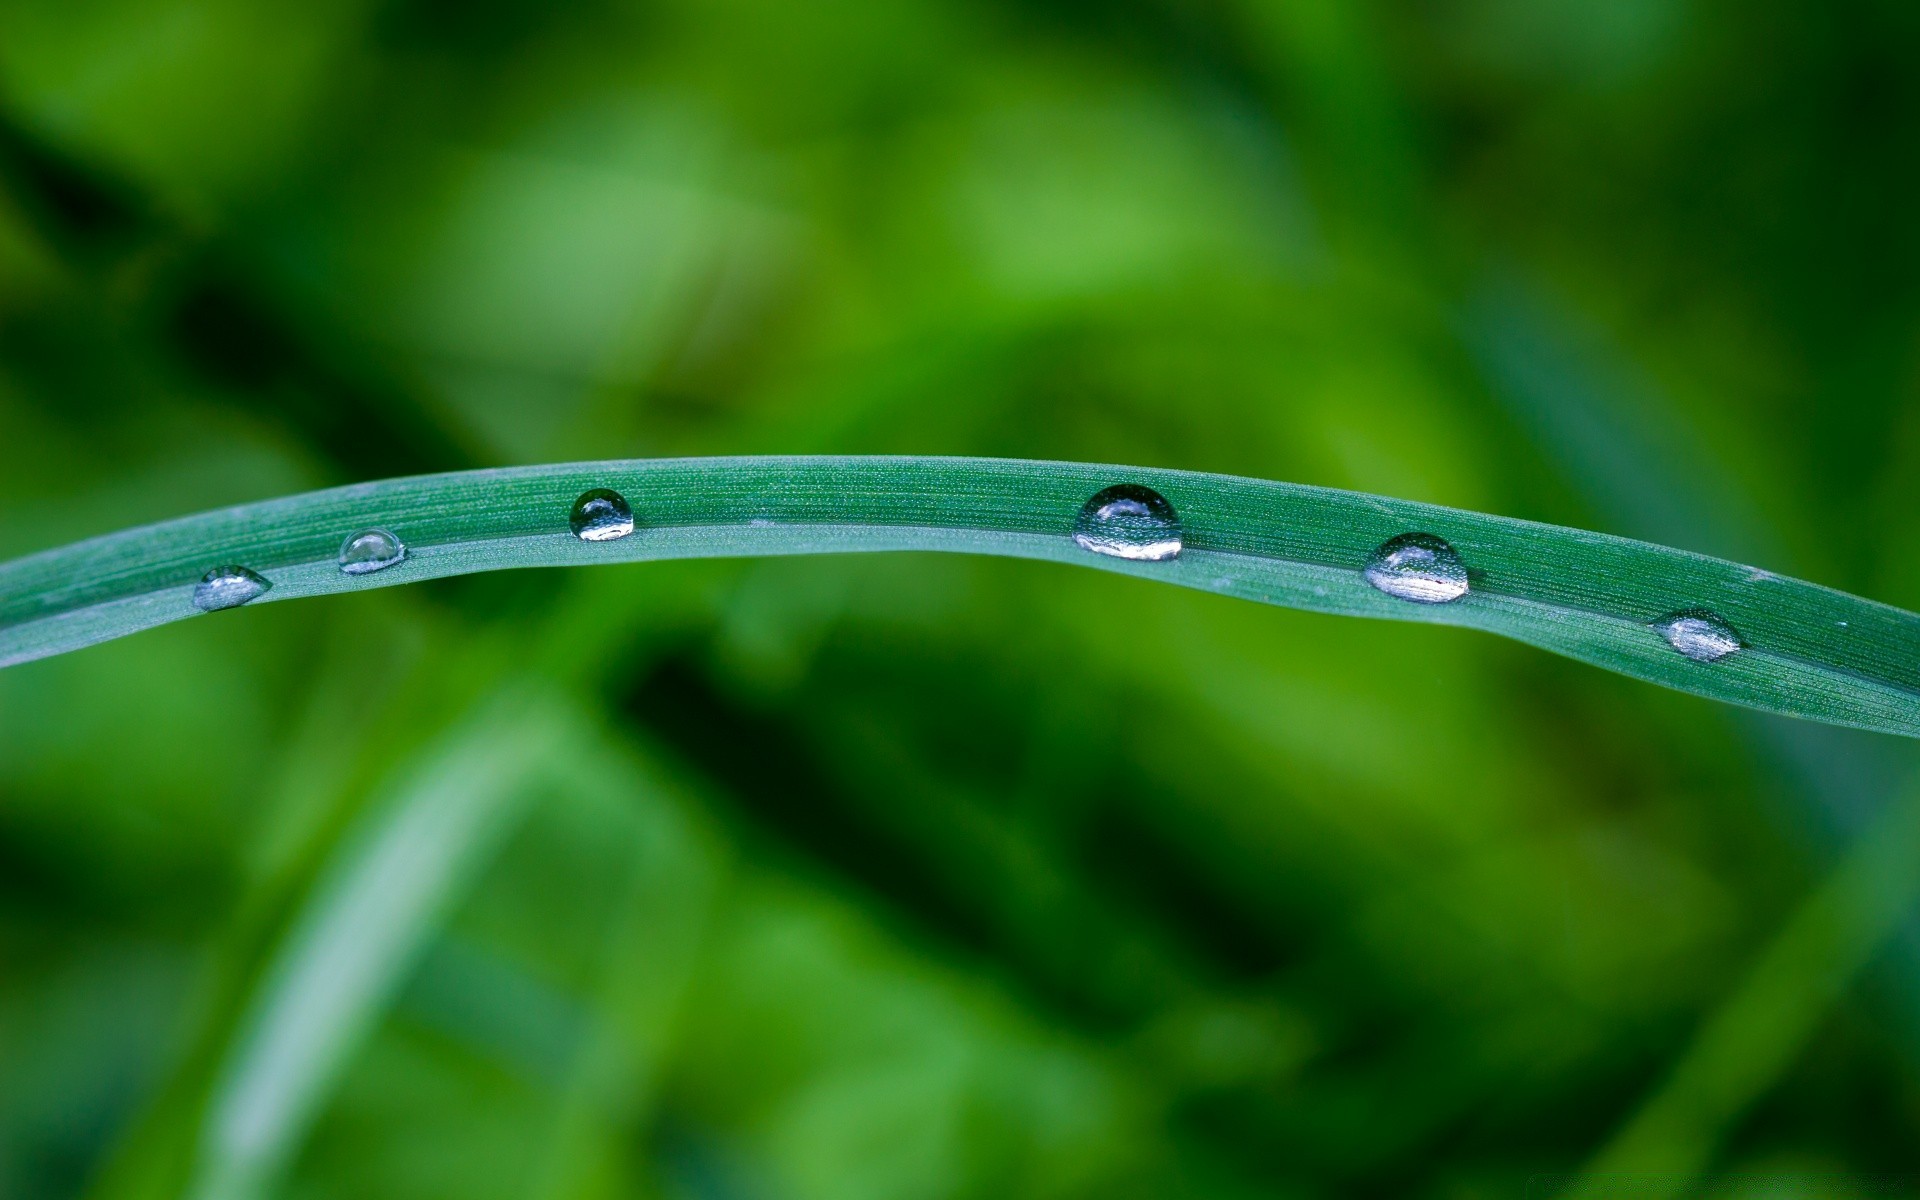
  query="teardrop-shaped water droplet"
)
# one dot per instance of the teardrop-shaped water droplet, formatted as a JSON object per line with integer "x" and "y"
{"x": 1418, "y": 567}
{"x": 227, "y": 587}
{"x": 601, "y": 515}
{"x": 1128, "y": 520}
{"x": 1701, "y": 635}
{"x": 370, "y": 550}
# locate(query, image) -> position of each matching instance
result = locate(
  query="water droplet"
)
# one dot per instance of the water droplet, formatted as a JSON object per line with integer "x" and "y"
{"x": 601, "y": 516}
{"x": 1129, "y": 521}
{"x": 1700, "y": 635}
{"x": 1418, "y": 567}
{"x": 227, "y": 587}
{"x": 370, "y": 550}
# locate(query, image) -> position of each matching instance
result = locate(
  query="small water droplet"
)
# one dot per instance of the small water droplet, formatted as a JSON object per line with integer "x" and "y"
{"x": 1418, "y": 567}
{"x": 370, "y": 550}
{"x": 1701, "y": 635}
{"x": 601, "y": 515}
{"x": 1128, "y": 520}
{"x": 227, "y": 587}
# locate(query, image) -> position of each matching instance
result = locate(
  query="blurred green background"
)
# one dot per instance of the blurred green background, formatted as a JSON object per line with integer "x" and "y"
{"x": 924, "y": 876}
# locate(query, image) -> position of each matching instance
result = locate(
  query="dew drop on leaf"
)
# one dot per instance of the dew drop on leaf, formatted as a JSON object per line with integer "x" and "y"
{"x": 1701, "y": 635}
{"x": 601, "y": 515}
{"x": 227, "y": 587}
{"x": 1418, "y": 567}
{"x": 1128, "y": 520}
{"x": 370, "y": 550}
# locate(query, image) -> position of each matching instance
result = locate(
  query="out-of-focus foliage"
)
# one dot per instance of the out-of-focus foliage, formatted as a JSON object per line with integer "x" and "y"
{"x": 937, "y": 877}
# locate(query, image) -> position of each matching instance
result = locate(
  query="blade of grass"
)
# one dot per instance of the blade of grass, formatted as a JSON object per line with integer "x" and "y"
{"x": 1811, "y": 652}
{"x": 407, "y": 733}
{"x": 346, "y": 953}
{"x": 1753, "y": 1039}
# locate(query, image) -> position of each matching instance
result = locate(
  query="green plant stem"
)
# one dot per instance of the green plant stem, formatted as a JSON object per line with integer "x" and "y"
{"x": 1812, "y": 652}
{"x": 1754, "y": 1037}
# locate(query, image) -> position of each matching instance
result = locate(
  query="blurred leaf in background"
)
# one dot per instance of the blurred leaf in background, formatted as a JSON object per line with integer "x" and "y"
{"x": 922, "y": 877}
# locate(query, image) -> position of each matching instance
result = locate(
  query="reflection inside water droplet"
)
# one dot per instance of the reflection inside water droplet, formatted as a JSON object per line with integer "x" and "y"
{"x": 227, "y": 587}
{"x": 1701, "y": 635}
{"x": 370, "y": 550}
{"x": 1418, "y": 567}
{"x": 601, "y": 515}
{"x": 1128, "y": 520}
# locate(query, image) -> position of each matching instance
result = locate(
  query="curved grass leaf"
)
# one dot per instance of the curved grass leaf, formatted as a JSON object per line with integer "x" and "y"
{"x": 1739, "y": 1054}
{"x": 1809, "y": 651}
{"x": 362, "y": 927}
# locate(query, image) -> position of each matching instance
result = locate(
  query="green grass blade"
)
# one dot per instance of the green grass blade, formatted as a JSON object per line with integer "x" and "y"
{"x": 1739, "y": 1054}
{"x": 361, "y": 929}
{"x": 1811, "y": 651}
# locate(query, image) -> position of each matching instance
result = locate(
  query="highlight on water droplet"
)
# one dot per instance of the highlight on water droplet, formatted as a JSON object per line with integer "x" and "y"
{"x": 1418, "y": 567}
{"x": 601, "y": 515}
{"x": 370, "y": 550}
{"x": 1129, "y": 520}
{"x": 227, "y": 587}
{"x": 1700, "y": 634}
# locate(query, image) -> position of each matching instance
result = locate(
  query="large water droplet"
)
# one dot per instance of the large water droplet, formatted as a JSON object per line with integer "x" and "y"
{"x": 601, "y": 515}
{"x": 1701, "y": 635}
{"x": 1128, "y": 520}
{"x": 1418, "y": 567}
{"x": 370, "y": 550}
{"x": 227, "y": 587}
